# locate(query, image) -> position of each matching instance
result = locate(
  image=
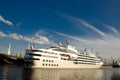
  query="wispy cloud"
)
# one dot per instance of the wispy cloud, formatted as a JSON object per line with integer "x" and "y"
{"x": 83, "y": 25}
{"x": 80, "y": 22}
{"x": 113, "y": 29}
{"x": 74, "y": 38}
{"x": 92, "y": 27}
{"x": 18, "y": 24}
{"x": 87, "y": 41}
{"x": 5, "y": 21}
{"x": 34, "y": 39}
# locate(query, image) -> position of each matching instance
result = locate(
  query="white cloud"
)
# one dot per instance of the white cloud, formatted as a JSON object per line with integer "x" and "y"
{"x": 5, "y": 21}
{"x": 41, "y": 32}
{"x": 34, "y": 39}
{"x": 2, "y": 34}
{"x": 111, "y": 28}
{"x": 15, "y": 36}
{"x": 38, "y": 40}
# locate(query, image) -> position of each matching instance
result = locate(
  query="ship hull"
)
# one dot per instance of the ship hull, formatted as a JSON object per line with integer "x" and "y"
{"x": 11, "y": 60}
{"x": 59, "y": 64}
{"x": 116, "y": 66}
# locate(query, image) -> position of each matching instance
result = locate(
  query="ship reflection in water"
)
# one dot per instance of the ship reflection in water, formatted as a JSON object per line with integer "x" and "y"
{"x": 95, "y": 74}
{"x": 20, "y": 73}
{"x": 81, "y": 74}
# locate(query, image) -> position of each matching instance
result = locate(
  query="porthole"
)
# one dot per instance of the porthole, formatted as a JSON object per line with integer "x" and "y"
{"x": 55, "y": 53}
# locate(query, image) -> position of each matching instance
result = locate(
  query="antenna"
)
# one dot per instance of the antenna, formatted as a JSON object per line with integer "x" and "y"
{"x": 67, "y": 43}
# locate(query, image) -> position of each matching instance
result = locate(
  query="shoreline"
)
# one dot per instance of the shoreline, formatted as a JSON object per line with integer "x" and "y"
{"x": 106, "y": 66}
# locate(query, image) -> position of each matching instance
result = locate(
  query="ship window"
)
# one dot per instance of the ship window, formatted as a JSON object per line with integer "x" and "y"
{"x": 55, "y": 53}
{"x": 32, "y": 58}
{"x": 36, "y": 51}
{"x": 35, "y": 54}
{"x": 52, "y": 60}
{"x": 54, "y": 64}
{"x": 75, "y": 62}
{"x": 46, "y": 64}
{"x": 57, "y": 64}
{"x": 43, "y": 60}
{"x": 43, "y": 64}
{"x": 46, "y": 60}
{"x": 49, "y": 60}
{"x": 51, "y": 64}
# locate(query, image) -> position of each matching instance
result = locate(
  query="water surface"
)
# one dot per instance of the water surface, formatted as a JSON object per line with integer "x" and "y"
{"x": 12, "y": 72}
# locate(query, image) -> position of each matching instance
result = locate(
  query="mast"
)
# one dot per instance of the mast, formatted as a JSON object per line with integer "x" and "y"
{"x": 9, "y": 52}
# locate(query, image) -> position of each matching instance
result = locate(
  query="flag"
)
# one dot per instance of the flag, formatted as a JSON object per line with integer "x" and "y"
{"x": 31, "y": 47}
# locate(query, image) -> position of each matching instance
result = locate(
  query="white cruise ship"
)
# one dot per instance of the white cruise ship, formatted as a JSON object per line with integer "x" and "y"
{"x": 65, "y": 57}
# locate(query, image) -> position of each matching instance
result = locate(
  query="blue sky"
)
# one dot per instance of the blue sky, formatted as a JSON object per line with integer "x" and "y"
{"x": 92, "y": 24}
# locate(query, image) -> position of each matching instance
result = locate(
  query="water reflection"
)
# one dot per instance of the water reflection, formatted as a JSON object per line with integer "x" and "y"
{"x": 50, "y": 74}
{"x": 3, "y": 74}
{"x": 116, "y": 74}
{"x": 9, "y": 72}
